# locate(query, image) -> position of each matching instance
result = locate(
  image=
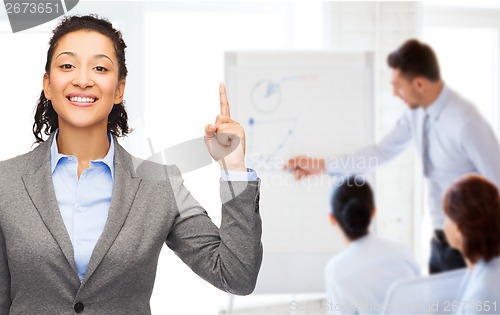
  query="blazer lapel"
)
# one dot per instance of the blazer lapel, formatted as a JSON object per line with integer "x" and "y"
{"x": 38, "y": 183}
{"x": 125, "y": 187}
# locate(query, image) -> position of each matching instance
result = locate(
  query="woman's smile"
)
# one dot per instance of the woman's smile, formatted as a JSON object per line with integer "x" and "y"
{"x": 82, "y": 99}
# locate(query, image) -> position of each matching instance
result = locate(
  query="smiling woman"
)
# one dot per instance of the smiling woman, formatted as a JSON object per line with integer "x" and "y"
{"x": 84, "y": 72}
{"x": 82, "y": 222}
{"x": 84, "y": 52}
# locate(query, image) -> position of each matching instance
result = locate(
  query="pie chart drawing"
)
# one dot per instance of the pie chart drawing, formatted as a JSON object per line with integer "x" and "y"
{"x": 266, "y": 96}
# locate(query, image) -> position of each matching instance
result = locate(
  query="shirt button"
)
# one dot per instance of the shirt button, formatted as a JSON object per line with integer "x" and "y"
{"x": 70, "y": 158}
{"x": 81, "y": 208}
{"x": 78, "y": 307}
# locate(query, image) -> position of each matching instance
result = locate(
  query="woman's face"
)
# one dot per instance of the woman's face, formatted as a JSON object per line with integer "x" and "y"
{"x": 83, "y": 83}
{"x": 453, "y": 234}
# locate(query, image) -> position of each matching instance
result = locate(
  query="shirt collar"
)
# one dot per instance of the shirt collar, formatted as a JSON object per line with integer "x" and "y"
{"x": 437, "y": 106}
{"x": 363, "y": 239}
{"x": 55, "y": 156}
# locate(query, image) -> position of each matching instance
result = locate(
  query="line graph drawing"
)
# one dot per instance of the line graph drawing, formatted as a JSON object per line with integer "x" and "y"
{"x": 269, "y": 140}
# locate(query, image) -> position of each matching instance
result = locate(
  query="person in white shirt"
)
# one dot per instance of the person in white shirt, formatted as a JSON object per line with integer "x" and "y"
{"x": 449, "y": 133}
{"x": 472, "y": 226}
{"x": 358, "y": 278}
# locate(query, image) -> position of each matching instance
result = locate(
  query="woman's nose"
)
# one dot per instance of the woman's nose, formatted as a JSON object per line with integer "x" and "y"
{"x": 83, "y": 79}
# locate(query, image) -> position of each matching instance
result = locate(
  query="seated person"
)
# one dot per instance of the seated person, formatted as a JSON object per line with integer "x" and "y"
{"x": 472, "y": 225}
{"x": 358, "y": 278}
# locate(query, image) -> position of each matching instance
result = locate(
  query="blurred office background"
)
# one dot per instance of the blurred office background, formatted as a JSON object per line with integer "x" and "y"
{"x": 175, "y": 57}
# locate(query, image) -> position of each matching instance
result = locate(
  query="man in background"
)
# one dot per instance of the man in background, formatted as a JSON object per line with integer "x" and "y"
{"x": 449, "y": 133}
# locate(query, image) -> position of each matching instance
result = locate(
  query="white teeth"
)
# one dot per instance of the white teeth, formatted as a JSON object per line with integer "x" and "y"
{"x": 82, "y": 99}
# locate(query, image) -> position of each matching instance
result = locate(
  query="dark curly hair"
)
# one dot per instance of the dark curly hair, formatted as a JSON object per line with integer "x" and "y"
{"x": 46, "y": 119}
{"x": 473, "y": 203}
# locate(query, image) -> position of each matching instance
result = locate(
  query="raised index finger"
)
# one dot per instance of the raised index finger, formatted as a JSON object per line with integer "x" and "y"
{"x": 224, "y": 104}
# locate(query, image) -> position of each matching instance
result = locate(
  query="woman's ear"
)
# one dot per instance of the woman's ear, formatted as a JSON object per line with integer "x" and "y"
{"x": 374, "y": 211}
{"x": 333, "y": 221}
{"x": 120, "y": 91}
{"x": 46, "y": 86}
{"x": 460, "y": 238}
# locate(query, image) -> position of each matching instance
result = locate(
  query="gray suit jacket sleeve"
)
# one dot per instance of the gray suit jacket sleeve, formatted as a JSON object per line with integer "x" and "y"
{"x": 4, "y": 278}
{"x": 229, "y": 257}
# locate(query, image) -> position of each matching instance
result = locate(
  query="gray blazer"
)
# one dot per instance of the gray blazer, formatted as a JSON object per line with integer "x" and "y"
{"x": 149, "y": 206}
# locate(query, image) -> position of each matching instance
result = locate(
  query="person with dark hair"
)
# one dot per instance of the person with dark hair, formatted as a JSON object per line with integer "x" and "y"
{"x": 82, "y": 222}
{"x": 450, "y": 135}
{"x": 472, "y": 226}
{"x": 358, "y": 278}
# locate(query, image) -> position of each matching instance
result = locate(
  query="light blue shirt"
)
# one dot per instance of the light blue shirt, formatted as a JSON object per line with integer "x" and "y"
{"x": 358, "y": 278}
{"x": 84, "y": 203}
{"x": 250, "y": 175}
{"x": 460, "y": 141}
{"x": 479, "y": 291}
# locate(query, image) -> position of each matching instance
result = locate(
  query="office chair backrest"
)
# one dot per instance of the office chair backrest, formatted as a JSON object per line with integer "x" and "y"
{"x": 433, "y": 294}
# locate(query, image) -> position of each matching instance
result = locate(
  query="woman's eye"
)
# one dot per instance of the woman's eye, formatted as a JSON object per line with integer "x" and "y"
{"x": 100, "y": 69}
{"x": 66, "y": 66}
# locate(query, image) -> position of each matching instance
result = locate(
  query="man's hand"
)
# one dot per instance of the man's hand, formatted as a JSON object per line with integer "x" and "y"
{"x": 302, "y": 166}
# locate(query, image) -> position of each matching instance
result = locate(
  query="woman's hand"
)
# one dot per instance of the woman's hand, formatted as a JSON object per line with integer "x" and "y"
{"x": 226, "y": 138}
